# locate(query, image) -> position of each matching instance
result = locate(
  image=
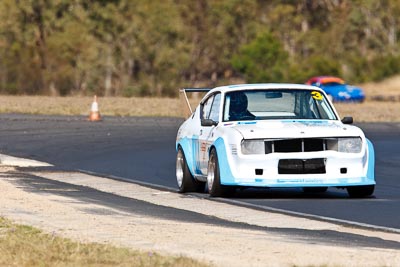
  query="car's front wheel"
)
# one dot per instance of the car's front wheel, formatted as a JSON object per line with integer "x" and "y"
{"x": 360, "y": 191}
{"x": 185, "y": 180}
{"x": 215, "y": 188}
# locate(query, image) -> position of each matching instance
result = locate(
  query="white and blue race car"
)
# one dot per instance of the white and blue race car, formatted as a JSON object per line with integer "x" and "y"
{"x": 271, "y": 135}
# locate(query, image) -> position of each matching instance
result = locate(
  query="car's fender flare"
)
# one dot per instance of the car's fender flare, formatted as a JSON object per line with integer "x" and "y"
{"x": 225, "y": 172}
{"x": 371, "y": 161}
{"x": 188, "y": 147}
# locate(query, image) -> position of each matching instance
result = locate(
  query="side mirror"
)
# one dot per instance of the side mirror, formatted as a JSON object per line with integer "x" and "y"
{"x": 347, "y": 120}
{"x": 208, "y": 122}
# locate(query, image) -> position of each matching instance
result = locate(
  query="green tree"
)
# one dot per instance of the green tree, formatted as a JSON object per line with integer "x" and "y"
{"x": 262, "y": 60}
{"x": 214, "y": 31}
{"x": 139, "y": 47}
{"x": 233, "y": 26}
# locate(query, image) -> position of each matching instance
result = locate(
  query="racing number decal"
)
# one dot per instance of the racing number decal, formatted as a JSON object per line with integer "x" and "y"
{"x": 203, "y": 146}
{"x": 317, "y": 95}
{"x": 203, "y": 151}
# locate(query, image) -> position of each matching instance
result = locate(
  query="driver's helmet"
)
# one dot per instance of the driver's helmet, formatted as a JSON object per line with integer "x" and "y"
{"x": 238, "y": 102}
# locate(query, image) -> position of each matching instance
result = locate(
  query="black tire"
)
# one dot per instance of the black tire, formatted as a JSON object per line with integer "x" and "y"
{"x": 360, "y": 191}
{"x": 319, "y": 189}
{"x": 215, "y": 188}
{"x": 185, "y": 180}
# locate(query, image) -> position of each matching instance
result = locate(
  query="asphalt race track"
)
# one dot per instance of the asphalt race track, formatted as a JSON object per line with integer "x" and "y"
{"x": 143, "y": 149}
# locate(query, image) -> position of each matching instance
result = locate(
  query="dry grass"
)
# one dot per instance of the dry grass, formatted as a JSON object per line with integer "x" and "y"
{"x": 116, "y": 106}
{"x": 27, "y": 246}
{"x": 370, "y": 111}
{"x": 390, "y": 86}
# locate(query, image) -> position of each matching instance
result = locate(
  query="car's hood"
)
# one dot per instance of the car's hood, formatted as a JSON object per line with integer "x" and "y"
{"x": 294, "y": 129}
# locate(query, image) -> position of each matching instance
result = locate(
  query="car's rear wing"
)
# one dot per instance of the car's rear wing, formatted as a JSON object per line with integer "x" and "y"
{"x": 183, "y": 92}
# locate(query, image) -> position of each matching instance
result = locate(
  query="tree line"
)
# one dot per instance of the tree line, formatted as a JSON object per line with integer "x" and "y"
{"x": 151, "y": 48}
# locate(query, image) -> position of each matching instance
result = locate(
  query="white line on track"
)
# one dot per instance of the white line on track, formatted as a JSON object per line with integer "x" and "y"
{"x": 312, "y": 216}
{"x": 259, "y": 207}
{"x": 21, "y": 162}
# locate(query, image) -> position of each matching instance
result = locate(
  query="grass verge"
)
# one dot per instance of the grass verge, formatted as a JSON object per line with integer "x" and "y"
{"x": 369, "y": 111}
{"x": 26, "y": 246}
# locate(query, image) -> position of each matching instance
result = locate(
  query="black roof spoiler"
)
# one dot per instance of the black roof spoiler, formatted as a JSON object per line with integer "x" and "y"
{"x": 195, "y": 90}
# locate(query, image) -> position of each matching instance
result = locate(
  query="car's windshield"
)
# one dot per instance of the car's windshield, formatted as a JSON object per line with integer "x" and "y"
{"x": 276, "y": 104}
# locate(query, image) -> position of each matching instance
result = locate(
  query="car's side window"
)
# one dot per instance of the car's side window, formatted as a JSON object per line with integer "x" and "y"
{"x": 211, "y": 107}
{"x": 207, "y": 107}
{"x": 214, "y": 112}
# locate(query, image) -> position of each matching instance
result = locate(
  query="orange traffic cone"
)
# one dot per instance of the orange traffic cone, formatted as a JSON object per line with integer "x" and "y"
{"x": 94, "y": 111}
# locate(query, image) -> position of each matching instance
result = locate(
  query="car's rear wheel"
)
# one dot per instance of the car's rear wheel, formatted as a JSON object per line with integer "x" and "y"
{"x": 185, "y": 180}
{"x": 360, "y": 191}
{"x": 215, "y": 188}
{"x": 318, "y": 189}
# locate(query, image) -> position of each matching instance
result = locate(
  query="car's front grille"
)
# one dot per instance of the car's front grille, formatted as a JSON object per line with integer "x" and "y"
{"x": 301, "y": 166}
{"x": 298, "y": 145}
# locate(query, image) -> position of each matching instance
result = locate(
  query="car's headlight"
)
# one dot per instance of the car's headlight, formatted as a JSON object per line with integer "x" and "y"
{"x": 253, "y": 147}
{"x": 350, "y": 145}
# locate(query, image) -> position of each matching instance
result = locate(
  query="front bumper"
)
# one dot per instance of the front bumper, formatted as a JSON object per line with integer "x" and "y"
{"x": 340, "y": 169}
